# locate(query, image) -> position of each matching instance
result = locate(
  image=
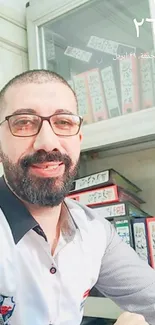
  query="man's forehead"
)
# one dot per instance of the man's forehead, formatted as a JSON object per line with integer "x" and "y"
{"x": 28, "y": 95}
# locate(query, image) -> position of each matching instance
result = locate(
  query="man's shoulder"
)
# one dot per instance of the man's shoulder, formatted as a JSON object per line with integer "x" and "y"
{"x": 87, "y": 218}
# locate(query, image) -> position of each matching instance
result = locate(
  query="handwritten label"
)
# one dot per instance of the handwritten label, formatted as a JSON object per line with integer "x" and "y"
{"x": 122, "y": 228}
{"x": 126, "y": 80}
{"x": 103, "y": 45}
{"x": 78, "y": 54}
{"x": 110, "y": 91}
{"x": 147, "y": 82}
{"x": 112, "y": 210}
{"x": 104, "y": 195}
{"x": 140, "y": 240}
{"x": 82, "y": 94}
{"x": 92, "y": 180}
{"x": 96, "y": 94}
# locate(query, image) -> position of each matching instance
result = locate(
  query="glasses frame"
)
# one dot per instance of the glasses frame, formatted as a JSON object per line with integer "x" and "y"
{"x": 43, "y": 118}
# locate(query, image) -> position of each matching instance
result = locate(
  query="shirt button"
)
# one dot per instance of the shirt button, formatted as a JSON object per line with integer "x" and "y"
{"x": 53, "y": 270}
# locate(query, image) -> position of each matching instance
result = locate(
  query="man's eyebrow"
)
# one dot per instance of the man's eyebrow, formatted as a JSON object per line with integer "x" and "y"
{"x": 63, "y": 111}
{"x": 24, "y": 111}
{"x": 32, "y": 111}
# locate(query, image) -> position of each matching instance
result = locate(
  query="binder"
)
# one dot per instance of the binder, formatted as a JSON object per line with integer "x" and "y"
{"x": 124, "y": 209}
{"x": 110, "y": 92}
{"x": 146, "y": 78}
{"x": 140, "y": 238}
{"x": 97, "y": 196}
{"x": 124, "y": 230}
{"x": 133, "y": 198}
{"x": 96, "y": 93}
{"x": 129, "y": 84}
{"x": 83, "y": 98}
{"x": 105, "y": 177}
{"x": 104, "y": 195}
{"x": 150, "y": 224}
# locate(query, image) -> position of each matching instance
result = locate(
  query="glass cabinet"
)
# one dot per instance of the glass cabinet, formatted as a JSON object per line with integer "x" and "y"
{"x": 105, "y": 50}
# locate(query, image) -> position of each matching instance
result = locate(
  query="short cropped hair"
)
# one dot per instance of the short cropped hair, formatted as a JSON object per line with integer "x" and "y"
{"x": 32, "y": 76}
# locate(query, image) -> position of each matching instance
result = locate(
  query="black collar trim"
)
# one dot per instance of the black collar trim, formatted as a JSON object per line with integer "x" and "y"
{"x": 18, "y": 217}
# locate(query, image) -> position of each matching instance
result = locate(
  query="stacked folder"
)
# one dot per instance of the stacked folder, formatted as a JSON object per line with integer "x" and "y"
{"x": 116, "y": 198}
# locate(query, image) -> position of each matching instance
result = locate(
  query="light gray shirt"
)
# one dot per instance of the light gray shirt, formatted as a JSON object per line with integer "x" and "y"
{"x": 124, "y": 277}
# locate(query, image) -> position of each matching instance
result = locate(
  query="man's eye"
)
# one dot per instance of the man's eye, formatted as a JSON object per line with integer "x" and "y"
{"x": 64, "y": 122}
{"x": 24, "y": 124}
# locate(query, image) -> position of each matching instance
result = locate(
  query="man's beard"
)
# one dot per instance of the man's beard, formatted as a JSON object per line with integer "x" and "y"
{"x": 39, "y": 190}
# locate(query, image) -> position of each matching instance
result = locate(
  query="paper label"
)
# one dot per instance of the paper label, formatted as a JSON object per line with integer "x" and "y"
{"x": 122, "y": 228}
{"x": 96, "y": 95}
{"x": 140, "y": 240}
{"x": 111, "y": 210}
{"x": 103, "y": 45}
{"x": 78, "y": 54}
{"x": 82, "y": 97}
{"x": 104, "y": 195}
{"x": 126, "y": 82}
{"x": 92, "y": 180}
{"x": 147, "y": 83}
{"x": 110, "y": 91}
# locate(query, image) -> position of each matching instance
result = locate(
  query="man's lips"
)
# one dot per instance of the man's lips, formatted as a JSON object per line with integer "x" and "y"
{"x": 48, "y": 165}
{"x": 49, "y": 169}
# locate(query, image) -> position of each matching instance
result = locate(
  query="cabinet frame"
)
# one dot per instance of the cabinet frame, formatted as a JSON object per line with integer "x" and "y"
{"x": 125, "y": 130}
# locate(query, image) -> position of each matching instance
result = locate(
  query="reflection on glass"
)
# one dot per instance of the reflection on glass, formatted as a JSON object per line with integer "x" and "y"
{"x": 105, "y": 50}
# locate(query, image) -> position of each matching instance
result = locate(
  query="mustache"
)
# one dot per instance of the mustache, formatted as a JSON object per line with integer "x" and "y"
{"x": 44, "y": 157}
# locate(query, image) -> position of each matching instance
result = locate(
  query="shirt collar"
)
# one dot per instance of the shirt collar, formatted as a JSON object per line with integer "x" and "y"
{"x": 18, "y": 217}
{"x": 21, "y": 221}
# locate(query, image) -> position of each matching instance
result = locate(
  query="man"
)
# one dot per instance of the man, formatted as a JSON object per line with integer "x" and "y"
{"x": 53, "y": 250}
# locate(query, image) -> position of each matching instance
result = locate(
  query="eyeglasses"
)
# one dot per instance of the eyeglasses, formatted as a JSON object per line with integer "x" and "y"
{"x": 27, "y": 125}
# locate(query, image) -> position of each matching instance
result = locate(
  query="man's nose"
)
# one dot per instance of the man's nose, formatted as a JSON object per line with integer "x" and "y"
{"x": 46, "y": 139}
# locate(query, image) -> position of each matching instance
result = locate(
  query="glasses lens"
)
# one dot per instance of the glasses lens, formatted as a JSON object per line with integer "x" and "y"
{"x": 24, "y": 125}
{"x": 65, "y": 124}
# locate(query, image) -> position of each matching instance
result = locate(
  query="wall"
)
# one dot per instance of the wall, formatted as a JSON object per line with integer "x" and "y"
{"x": 15, "y": 4}
{"x": 139, "y": 167}
{"x": 13, "y": 41}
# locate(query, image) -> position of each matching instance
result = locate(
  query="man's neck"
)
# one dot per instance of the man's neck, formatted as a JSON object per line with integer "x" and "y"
{"x": 48, "y": 219}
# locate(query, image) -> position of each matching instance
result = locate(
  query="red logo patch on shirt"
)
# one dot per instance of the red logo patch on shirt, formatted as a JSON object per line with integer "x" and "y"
{"x": 7, "y": 306}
